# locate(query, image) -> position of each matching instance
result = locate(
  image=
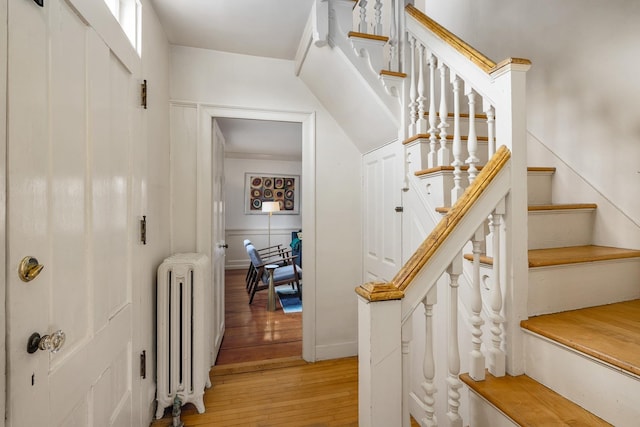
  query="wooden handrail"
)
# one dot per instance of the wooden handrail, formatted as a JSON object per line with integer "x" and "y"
{"x": 431, "y": 244}
{"x": 395, "y": 289}
{"x": 478, "y": 58}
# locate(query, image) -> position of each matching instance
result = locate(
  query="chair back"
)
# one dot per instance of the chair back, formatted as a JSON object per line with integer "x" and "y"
{"x": 254, "y": 256}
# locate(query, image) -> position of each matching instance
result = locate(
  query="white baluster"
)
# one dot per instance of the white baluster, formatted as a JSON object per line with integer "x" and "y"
{"x": 432, "y": 160}
{"x": 421, "y": 126}
{"x": 477, "y": 363}
{"x": 491, "y": 130}
{"x": 407, "y": 335}
{"x": 377, "y": 28}
{"x": 443, "y": 152}
{"x": 428, "y": 364}
{"x": 393, "y": 39}
{"x": 413, "y": 104}
{"x": 362, "y": 27}
{"x": 472, "y": 142}
{"x": 456, "y": 147}
{"x": 453, "y": 352}
{"x": 497, "y": 357}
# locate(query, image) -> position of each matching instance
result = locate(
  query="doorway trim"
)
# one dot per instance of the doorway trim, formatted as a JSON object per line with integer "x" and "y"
{"x": 4, "y": 58}
{"x": 208, "y": 112}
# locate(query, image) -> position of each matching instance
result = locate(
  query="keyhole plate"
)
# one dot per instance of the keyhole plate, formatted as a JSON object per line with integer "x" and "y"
{"x": 33, "y": 342}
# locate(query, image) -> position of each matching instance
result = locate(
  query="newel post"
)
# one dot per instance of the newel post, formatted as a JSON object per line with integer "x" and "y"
{"x": 379, "y": 355}
{"x": 511, "y": 130}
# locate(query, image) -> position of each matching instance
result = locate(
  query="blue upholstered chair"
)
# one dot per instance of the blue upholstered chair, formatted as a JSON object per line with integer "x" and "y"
{"x": 285, "y": 274}
{"x": 271, "y": 255}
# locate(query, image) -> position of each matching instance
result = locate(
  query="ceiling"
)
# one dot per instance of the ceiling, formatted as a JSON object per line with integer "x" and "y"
{"x": 269, "y": 28}
{"x": 247, "y": 138}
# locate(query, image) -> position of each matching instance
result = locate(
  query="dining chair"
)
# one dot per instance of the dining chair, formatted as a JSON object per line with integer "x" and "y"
{"x": 285, "y": 274}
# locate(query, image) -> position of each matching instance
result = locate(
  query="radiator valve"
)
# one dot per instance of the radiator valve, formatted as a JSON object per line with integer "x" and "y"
{"x": 177, "y": 410}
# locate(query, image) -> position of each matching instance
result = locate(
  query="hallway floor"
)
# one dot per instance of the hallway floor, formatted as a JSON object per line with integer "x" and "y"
{"x": 260, "y": 379}
{"x": 251, "y": 332}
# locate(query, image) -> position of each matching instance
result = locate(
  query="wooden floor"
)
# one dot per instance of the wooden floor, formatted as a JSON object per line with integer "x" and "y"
{"x": 260, "y": 380}
{"x": 312, "y": 394}
{"x": 251, "y": 332}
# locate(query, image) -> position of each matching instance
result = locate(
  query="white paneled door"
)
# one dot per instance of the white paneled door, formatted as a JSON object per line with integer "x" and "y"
{"x": 383, "y": 174}
{"x": 218, "y": 251}
{"x": 72, "y": 97}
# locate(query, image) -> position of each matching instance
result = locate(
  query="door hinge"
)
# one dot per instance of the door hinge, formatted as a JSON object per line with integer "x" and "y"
{"x": 399, "y": 209}
{"x": 143, "y": 94}
{"x": 143, "y": 364}
{"x": 143, "y": 230}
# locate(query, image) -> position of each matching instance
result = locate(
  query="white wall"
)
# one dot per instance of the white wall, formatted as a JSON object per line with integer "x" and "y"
{"x": 582, "y": 88}
{"x": 239, "y": 225}
{"x": 254, "y": 83}
{"x": 155, "y": 191}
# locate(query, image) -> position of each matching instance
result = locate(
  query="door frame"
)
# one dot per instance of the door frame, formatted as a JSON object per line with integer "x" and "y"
{"x": 3, "y": 205}
{"x": 206, "y": 114}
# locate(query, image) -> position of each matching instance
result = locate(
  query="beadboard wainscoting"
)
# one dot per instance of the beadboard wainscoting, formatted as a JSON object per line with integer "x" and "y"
{"x": 237, "y": 255}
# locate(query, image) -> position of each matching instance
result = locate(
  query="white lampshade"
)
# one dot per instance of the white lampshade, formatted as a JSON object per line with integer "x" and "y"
{"x": 270, "y": 206}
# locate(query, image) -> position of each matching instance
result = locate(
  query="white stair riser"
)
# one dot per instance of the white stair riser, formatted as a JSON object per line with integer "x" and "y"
{"x": 484, "y": 414}
{"x": 539, "y": 188}
{"x": 560, "y": 228}
{"x": 572, "y": 286}
{"x": 603, "y": 390}
{"x": 440, "y": 184}
{"x": 370, "y": 50}
{"x": 437, "y": 188}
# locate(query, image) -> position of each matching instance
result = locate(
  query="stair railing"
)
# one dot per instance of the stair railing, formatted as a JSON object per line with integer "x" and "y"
{"x": 385, "y": 309}
{"x": 488, "y": 183}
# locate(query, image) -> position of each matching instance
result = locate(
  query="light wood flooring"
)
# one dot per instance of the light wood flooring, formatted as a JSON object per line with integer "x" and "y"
{"x": 260, "y": 380}
{"x": 251, "y": 332}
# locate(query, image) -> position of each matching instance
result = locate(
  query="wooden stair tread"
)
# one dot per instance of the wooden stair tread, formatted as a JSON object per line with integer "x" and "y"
{"x": 393, "y": 73}
{"x": 559, "y": 207}
{"x": 610, "y": 333}
{"x": 541, "y": 169}
{"x": 442, "y": 169}
{"x": 569, "y": 255}
{"x": 368, "y": 36}
{"x": 529, "y": 403}
{"x": 578, "y": 254}
{"x": 462, "y": 115}
{"x": 449, "y": 138}
{"x": 451, "y": 168}
{"x": 537, "y": 208}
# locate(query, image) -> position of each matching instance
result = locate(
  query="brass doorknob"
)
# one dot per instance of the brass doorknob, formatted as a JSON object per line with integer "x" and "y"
{"x": 29, "y": 269}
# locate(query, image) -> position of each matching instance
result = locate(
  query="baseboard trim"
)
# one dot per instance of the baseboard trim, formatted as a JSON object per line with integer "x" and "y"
{"x": 336, "y": 351}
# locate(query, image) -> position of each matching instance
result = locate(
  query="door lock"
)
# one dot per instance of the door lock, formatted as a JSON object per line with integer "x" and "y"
{"x": 29, "y": 268}
{"x": 51, "y": 342}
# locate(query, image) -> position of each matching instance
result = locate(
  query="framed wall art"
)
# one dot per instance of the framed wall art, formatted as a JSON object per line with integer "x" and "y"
{"x": 264, "y": 187}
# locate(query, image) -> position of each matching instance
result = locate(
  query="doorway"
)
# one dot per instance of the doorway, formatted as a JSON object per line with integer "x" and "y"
{"x": 259, "y": 155}
{"x": 201, "y": 123}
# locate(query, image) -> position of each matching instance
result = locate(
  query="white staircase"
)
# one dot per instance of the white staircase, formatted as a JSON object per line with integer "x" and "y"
{"x": 442, "y": 149}
{"x": 567, "y": 272}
